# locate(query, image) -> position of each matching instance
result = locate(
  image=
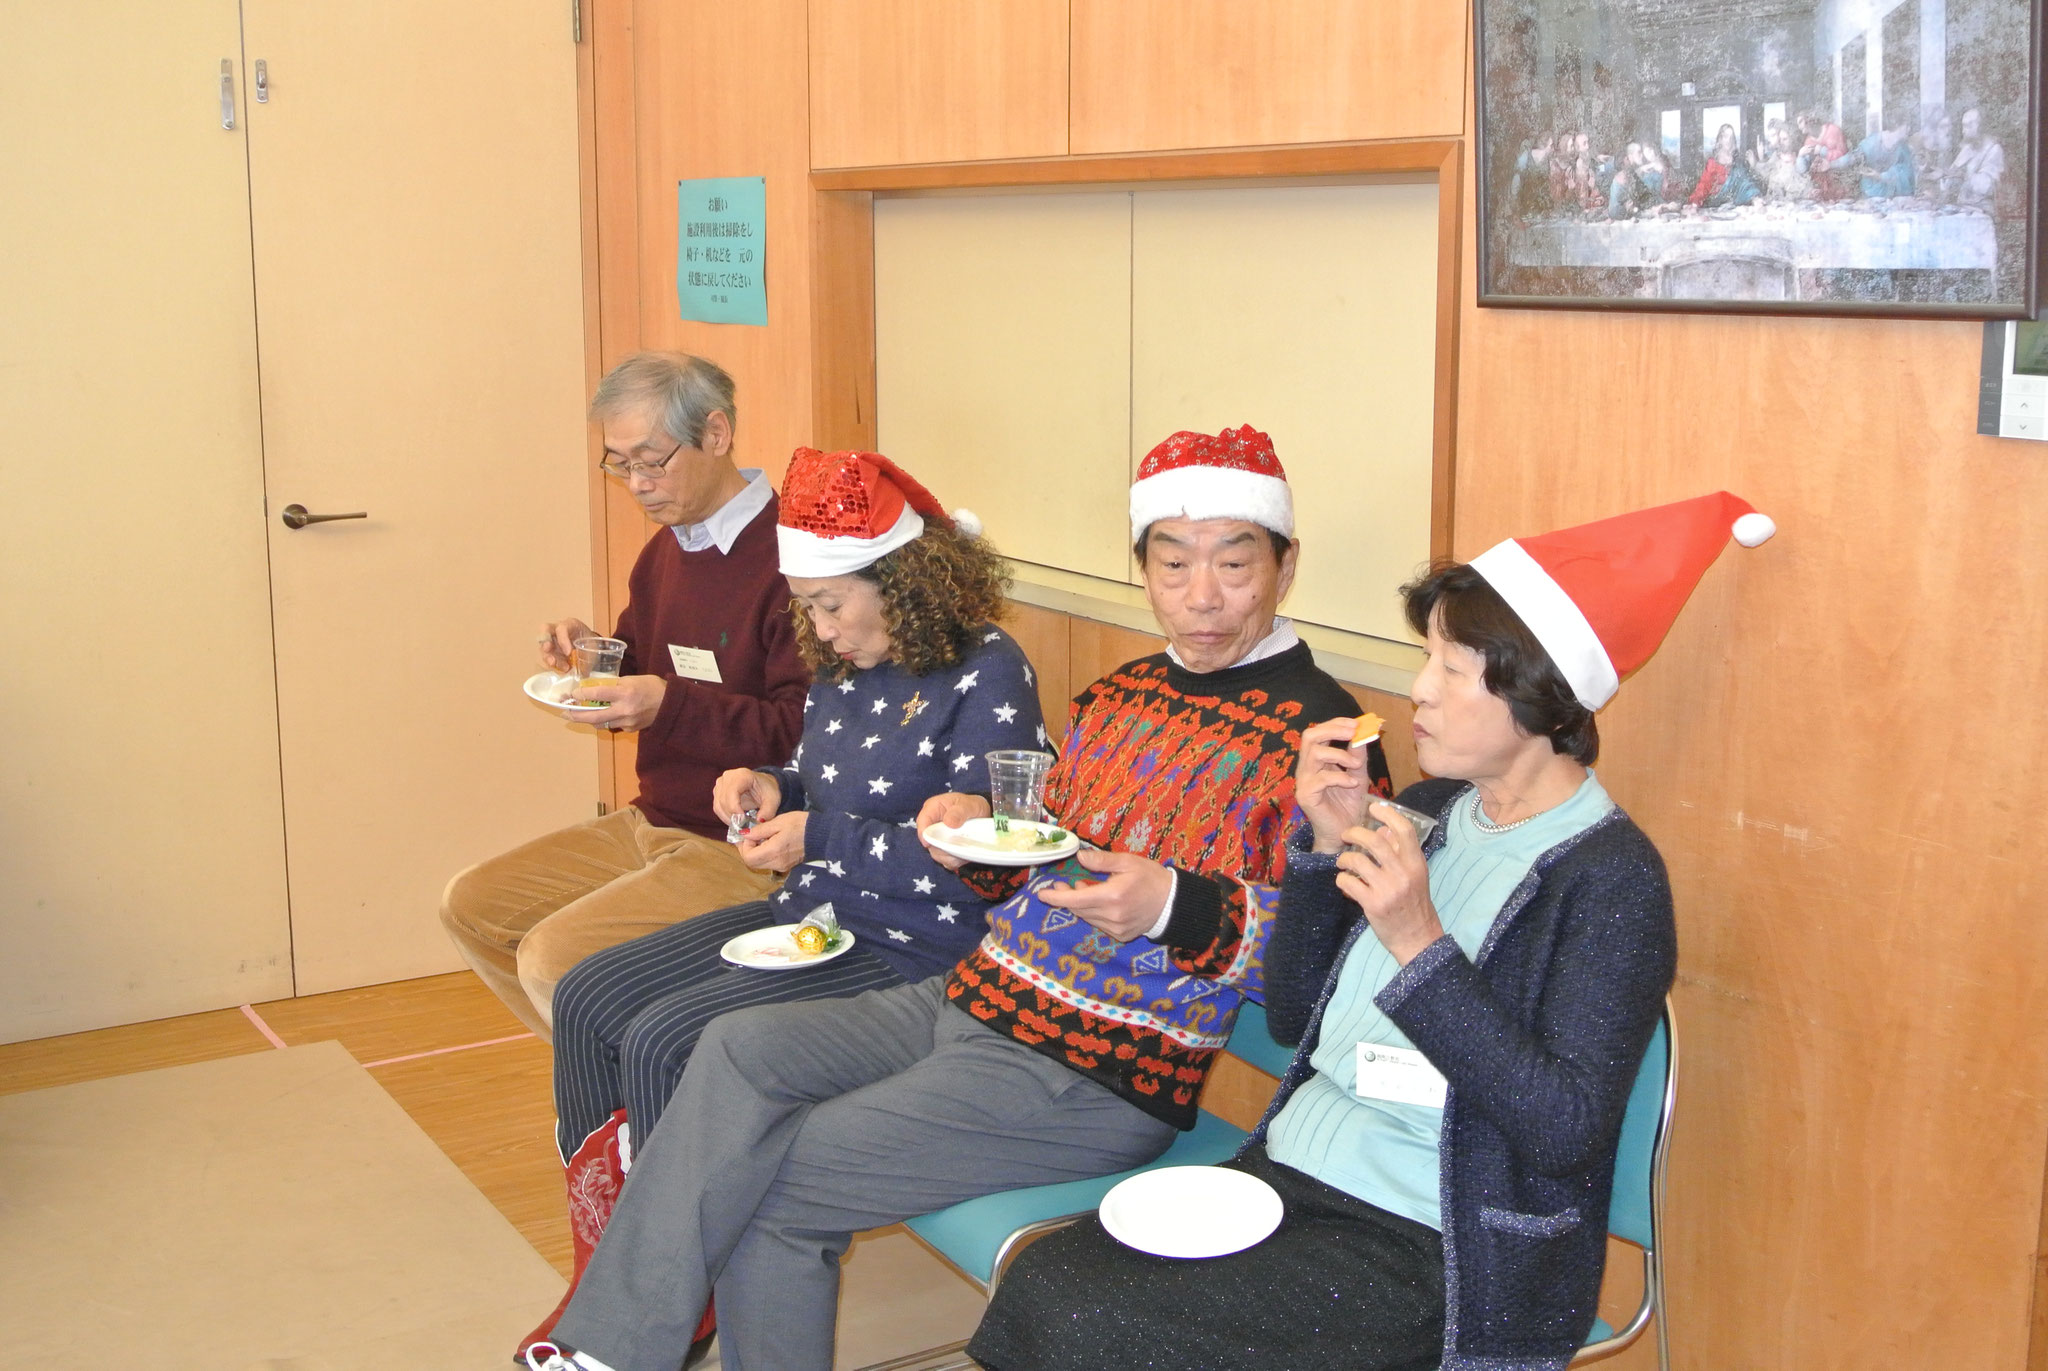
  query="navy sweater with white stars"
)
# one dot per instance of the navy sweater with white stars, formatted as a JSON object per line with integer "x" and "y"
{"x": 875, "y": 747}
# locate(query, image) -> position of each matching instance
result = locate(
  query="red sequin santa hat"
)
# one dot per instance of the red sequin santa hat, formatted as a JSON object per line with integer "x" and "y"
{"x": 1230, "y": 475}
{"x": 844, "y": 511}
{"x": 1600, "y": 597}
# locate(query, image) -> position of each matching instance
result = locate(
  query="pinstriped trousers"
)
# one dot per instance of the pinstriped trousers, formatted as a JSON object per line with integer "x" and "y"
{"x": 627, "y": 1018}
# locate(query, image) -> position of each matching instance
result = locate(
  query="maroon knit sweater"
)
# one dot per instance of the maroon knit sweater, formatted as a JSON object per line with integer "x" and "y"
{"x": 737, "y": 605}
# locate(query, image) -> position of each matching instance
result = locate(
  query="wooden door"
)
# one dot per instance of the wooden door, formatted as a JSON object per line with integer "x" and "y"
{"x": 415, "y": 211}
{"x": 141, "y": 844}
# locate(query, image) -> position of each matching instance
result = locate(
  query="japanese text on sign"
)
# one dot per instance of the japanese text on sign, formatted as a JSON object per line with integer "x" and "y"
{"x": 720, "y": 250}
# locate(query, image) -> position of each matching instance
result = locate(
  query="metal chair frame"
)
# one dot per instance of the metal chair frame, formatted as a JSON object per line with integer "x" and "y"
{"x": 1651, "y": 1306}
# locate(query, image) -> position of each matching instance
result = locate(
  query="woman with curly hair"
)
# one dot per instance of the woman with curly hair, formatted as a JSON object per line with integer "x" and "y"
{"x": 894, "y": 607}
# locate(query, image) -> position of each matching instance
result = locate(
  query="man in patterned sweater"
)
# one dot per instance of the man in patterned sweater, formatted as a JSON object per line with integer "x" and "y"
{"x": 1073, "y": 1041}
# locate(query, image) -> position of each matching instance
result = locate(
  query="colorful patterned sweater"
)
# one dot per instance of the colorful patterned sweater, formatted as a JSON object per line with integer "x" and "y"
{"x": 876, "y": 745}
{"x": 1195, "y": 770}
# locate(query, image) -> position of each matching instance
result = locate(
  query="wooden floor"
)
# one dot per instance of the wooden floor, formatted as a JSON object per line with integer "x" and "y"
{"x": 439, "y": 1046}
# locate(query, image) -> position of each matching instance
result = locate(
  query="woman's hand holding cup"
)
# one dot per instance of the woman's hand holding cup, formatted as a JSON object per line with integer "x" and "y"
{"x": 1383, "y": 872}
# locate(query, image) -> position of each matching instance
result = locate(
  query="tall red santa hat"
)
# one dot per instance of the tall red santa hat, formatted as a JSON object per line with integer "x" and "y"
{"x": 842, "y": 512}
{"x": 1601, "y": 597}
{"x": 1228, "y": 475}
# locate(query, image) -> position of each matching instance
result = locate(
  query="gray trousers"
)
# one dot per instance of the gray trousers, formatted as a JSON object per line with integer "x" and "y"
{"x": 798, "y": 1125}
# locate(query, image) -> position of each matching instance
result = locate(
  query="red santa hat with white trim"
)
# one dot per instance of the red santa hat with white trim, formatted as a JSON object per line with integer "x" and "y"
{"x": 1600, "y": 597}
{"x": 842, "y": 512}
{"x": 1229, "y": 475}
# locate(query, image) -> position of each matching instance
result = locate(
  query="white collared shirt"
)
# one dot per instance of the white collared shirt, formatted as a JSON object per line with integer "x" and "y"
{"x": 1273, "y": 644}
{"x": 723, "y": 526}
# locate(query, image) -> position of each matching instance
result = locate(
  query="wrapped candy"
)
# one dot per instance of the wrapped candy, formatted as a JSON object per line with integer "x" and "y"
{"x": 819, "y": 931}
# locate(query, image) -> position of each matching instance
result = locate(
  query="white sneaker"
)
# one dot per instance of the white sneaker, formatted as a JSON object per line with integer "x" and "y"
{"x": 545, "y": 1356}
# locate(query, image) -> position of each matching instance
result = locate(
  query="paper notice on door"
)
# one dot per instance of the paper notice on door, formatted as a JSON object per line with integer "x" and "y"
{"x": 1398, "y": 1074}
{"x": 695, "y": 664}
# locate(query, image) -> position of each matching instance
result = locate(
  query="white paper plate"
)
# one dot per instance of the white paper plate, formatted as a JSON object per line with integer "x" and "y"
{"x": 773, "y": 949}
{"x": 1191, "y": 1211}
{"x": 551, "y": 690}
{"x": 974, "y": 841}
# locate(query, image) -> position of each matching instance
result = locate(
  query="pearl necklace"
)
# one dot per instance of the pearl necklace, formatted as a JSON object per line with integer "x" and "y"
{"x": 1485, "y": 825}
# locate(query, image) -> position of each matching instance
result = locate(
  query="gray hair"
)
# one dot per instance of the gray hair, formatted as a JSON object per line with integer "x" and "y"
{"x": 687, "y": 390}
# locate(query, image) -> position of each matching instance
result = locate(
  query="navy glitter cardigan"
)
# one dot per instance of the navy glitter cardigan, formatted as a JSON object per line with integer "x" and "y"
{"x": 1540, "y": 1038}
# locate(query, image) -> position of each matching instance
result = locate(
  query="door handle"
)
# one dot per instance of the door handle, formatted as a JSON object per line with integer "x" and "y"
{"x": 227, "y": 93}
{"x": 262, "y": 82}
{"x": 295, "y": 516}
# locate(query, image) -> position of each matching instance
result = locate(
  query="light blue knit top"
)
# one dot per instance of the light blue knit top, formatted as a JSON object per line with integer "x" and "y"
{"x": 1382, "y": 1151}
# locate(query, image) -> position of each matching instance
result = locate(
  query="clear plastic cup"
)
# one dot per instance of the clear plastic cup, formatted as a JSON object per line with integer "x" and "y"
{"x": 597, "y": 657}
{"x": 1016, "y": 784}
{"x": 1423, "y": 824}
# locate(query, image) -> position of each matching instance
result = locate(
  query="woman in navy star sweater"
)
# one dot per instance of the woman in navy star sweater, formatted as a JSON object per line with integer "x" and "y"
{"x": 913, "y": 686}
{"x": 877, "y": 744}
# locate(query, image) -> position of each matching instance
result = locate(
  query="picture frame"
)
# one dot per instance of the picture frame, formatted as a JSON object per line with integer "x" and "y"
{"x": 1761, "y": 156}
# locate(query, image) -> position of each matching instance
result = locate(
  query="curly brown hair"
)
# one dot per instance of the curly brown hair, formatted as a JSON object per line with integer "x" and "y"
{"x": 937, "y": 591}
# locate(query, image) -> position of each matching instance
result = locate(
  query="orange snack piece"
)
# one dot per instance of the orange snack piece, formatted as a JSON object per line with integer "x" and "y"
{"x": 1367, "y": 729}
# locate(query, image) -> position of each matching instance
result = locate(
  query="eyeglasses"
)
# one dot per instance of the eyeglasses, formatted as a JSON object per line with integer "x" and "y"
{"x": 625, "y": 471}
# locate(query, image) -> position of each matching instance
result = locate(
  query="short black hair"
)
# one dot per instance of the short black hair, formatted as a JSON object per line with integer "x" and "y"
{"x": 1470, "y": 612}
{"x": 1281, "y": 542}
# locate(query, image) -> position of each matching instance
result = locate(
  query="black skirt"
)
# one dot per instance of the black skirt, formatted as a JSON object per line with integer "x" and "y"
{"x": 1340, "y": 1284}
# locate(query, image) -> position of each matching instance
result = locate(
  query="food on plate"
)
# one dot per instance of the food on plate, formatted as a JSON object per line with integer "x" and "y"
{"x": 1022, "y": 836}
{"x": 1367, "y": 729}
{"x": 810, "y": 939}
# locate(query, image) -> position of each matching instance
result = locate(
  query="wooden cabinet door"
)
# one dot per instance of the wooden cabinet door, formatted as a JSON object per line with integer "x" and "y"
{"x": 416, "y": 220}
{"x": 141, "y": 843}
{"x": 937, "y": 80}
{"x": 1151, "y": 75}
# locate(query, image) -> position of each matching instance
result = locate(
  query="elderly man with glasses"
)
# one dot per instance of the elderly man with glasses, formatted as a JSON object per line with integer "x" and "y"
{"x": 711, "y": 681}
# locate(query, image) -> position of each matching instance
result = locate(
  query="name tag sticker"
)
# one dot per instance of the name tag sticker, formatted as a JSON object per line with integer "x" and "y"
{"x": 695, "y": 664}
{"x": 1399, "y": 1074}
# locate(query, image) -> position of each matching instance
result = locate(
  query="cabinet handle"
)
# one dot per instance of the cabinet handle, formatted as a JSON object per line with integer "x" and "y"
{"x": 262, "y": 82}
{"x": 227, "y": 93}
{"x": 295, "y": 516}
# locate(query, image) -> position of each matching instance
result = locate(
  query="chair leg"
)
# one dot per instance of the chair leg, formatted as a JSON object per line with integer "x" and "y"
{"x": 1656, "y": 1277}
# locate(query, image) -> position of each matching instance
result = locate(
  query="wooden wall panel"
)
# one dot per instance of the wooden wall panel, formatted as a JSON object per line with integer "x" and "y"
{"x": 1836, "y": 751}
{"x": 701, "y": 117}
{"x": 1397, "y": 739}
{"x": 937, "y": 80}
{"x": 607, "y": 93}
{"x": 843, "y": 321}
{"x": 1156, "y": 74}
{"x": 1095, "y": 649}
{"x": 1042, "y": 633}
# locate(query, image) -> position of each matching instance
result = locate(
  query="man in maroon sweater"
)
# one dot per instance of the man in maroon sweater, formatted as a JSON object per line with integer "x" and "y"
{"x": 711, "y": 681}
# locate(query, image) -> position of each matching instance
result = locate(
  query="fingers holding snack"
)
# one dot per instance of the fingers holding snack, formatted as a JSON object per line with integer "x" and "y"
{"x": 1330, "y": 780}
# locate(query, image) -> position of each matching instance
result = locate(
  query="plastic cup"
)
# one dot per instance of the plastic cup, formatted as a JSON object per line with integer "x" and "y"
{"x": 597, "y": 657}
{"x": 1016, "y": 784}
{"x": 1423, "y": 824}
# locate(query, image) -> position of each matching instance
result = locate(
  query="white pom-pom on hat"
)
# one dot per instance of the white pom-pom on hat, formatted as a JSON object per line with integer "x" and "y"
{"x": 969, "y": 523}
{"x": 1754, "y": 529}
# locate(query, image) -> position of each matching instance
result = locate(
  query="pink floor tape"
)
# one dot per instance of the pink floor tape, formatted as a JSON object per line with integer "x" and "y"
{"x": 249, "y": 1011}
{"x": 443, "y": 1051}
